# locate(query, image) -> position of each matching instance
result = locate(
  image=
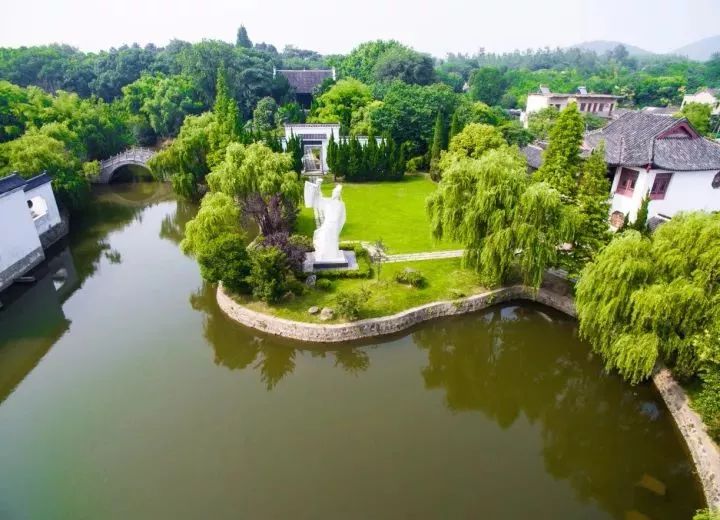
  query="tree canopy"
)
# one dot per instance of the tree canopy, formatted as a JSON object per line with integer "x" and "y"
{"x": 649, "y": 299}
{"x": 503, "y": 219}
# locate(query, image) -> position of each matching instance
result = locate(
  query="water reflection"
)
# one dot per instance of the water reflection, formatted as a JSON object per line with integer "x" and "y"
{"x": 516, "y": 362}
{"x": 239, "y": 348}
{"x": 32, "y": 319}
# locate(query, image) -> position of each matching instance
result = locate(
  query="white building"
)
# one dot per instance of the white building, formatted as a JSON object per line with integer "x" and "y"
{"x": 315, "y": 139}
{"x": 662, "y": 157}
{"x": 29, "y": 222}
{"x": 706, "y": 96}
{"x": 600, "y": 105}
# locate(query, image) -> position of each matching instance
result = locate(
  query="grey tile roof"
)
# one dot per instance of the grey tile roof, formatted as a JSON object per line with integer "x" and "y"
{"x": 635, "y": 139}
{"x": 11, "y": 182}
{"x": 533, "y": 155}
{"x": 38, "y": 180}
{"x": 305, "y": 81}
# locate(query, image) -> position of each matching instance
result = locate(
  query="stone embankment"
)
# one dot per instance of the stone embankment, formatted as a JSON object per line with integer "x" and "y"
{"x": 703, "y": 450}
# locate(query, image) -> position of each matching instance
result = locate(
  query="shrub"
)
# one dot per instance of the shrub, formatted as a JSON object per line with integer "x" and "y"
{"x": 350, "y": 303}
{"x": 410, "y": 277}
{"x": 323, "y": 284}
{"x": 270, "y": 275}
{"x": 294, "y": 246}
{"x": 225, "y": 258}
{"x": 707, "y": 400}
{"x": 416, "y": 164}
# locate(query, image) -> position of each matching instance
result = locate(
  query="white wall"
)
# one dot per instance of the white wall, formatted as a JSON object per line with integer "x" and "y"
{"x": 705, "y": 98}
{"x": 52, "y": 217}
{"x": 18, "y": 236}
{"x": 687, "y": 191}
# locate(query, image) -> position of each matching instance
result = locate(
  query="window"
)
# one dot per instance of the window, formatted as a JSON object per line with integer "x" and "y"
{"x": 602, "y": 107}
{"x": 582, "y": 107}
{"x": 626, "y": 184}
{"x": 660, "y": 186}
{"x": 716, "y": 181}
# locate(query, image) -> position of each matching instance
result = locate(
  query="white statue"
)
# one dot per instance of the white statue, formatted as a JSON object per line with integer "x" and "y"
{"x": 330, "y": 219}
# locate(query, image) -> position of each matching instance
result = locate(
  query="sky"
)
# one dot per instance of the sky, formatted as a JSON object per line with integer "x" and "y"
{"x": 336, "y": 26}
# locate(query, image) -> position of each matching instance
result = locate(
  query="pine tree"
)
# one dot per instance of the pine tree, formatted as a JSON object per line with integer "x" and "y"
{"x": 294, "y": 148}
{"x": 355, "y": 159}
{"x": 371, "y": 157}
{"x": 593, "y": 208}
{"x": 225, "y": 108}
{"x": 640, "y": 223}
{"x": 561, "y": 161}
{"x": 455, "y": 126}
{"x": 437, "y": 146}
{"x": 343, "y": 158}
{"x": 243, "y": 40}
{"x": 332, "y": 155}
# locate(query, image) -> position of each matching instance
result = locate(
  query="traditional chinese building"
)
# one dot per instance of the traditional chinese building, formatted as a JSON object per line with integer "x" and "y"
{"x": 30, "y": 222}
{"x": 662, "y": 157}
{"x": 304, "y": 82}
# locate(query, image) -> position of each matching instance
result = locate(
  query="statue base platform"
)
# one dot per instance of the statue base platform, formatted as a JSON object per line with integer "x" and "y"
{"x": 348, "y": 263}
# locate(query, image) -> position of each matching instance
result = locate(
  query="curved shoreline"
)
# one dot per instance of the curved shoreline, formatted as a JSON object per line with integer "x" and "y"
{"x": 703, "y": 450}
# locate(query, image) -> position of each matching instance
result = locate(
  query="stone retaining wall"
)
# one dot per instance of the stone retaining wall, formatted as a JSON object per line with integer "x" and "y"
{"x": 703, "y": 450}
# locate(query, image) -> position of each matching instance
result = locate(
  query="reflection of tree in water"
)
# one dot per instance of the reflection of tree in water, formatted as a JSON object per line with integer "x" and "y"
{"x": 173, "y": 225}
{"x": 238, "y": 348}
{"x": 598, "y": 432}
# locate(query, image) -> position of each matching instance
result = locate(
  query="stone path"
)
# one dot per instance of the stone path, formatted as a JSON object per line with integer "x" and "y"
{"x": 411, "y": 257}
{"x": 416, "y": 257}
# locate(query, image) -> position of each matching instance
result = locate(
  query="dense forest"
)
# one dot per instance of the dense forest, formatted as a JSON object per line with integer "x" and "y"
{"x": 61, "y": 109}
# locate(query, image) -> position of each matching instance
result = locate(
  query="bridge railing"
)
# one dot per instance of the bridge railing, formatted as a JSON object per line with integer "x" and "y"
{"x": 136, "y": 152}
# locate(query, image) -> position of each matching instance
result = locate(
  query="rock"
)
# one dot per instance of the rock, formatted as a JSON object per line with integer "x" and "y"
{"x": 327, "y": 314}
{"x": 314, "y": 309}
{"x": 311, "y": 280}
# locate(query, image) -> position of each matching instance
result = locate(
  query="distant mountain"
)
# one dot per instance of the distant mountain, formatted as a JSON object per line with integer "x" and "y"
{"x": 700, "y": 50}
{"x": 602, "y": 46}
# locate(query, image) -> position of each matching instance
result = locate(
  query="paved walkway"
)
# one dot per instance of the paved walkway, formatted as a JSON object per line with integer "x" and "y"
{"x": 416, "y": 257}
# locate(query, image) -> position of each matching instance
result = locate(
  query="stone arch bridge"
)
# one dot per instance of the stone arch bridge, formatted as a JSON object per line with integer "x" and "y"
{"x": 136, "y": 156}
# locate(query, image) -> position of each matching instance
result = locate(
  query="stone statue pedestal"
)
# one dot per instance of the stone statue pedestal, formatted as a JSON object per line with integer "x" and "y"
{"x": 347, "y": 263}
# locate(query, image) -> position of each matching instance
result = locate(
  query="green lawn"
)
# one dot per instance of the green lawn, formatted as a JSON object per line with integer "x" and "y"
{"x": 446, "y": 280}
{"x": 393, "y": 211}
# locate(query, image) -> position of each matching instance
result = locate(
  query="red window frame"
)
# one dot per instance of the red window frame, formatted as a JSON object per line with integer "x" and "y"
{"x": 627, "y": 181}
{"x": 660, "y": 185}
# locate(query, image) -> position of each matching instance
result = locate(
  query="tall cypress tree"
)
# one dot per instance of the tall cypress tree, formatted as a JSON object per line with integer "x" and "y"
{"x": 455, "y": 126}
{"x": 371, "y": 157}
{"x": 355, "y": 159}
{"x": 593, "y": 207}
{"x": 342, "y": 158}
{"x": 225, "y": 108}
{"x": 561, "y": 161}
{"x": 437, "y": 145}
{"x": 242, "y": 39}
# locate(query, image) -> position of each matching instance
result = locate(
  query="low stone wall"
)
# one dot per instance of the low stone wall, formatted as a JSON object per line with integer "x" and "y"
{"x": 55, "y": 233}
{"x": 703, "y": 450}
{"x": 19, "y": 268}
{"x": 339, "y": 332}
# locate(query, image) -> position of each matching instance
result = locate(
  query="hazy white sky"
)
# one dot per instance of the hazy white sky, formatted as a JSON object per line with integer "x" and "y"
{"x": 336, "y": 26}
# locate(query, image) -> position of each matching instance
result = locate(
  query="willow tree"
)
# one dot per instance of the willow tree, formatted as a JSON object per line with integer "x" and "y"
{"x": 503, "y": 219}
{"x": 263, "y": 182}
{"x": 561, "y": 159}
{"x": 650, "y": 299}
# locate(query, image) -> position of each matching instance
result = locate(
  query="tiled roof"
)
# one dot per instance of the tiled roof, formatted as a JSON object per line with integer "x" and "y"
{"x": 11, "y": 182}
{"x": 639, "y": 139}
{"x": 305, "y": 81}
{"x": 533, "y": 155}
{"x": 36, "y": 181}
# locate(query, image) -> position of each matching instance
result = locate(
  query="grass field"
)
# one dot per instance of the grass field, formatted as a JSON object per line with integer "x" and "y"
{"x": 393, "y": 211}
{"x": 446, "y": 280}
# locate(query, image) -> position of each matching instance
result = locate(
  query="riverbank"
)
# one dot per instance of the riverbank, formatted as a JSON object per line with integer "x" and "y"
{"x": 703, "y": 450}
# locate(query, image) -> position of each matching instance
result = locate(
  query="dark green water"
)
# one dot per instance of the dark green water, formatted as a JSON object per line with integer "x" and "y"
{"x": 125, "y": 393}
